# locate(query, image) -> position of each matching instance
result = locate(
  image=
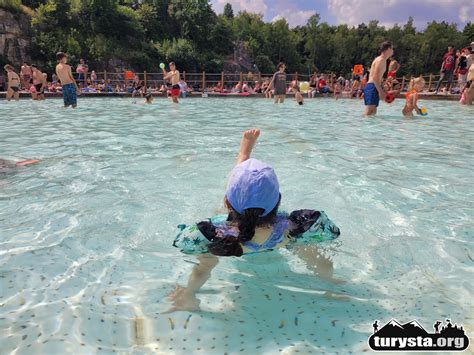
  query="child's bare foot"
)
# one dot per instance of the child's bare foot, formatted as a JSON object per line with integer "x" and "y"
{"x": 247, "y": 143}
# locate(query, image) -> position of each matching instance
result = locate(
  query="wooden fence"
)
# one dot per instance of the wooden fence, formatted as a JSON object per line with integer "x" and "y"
{"x": 223, "y": 80}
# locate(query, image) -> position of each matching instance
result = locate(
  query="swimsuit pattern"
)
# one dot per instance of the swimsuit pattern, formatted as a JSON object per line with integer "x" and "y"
{"x": 69, "y": 94}
{"x": 312, "y": 227}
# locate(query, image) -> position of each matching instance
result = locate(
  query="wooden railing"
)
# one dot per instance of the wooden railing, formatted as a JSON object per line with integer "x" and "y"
{"x": 224, "y": 80}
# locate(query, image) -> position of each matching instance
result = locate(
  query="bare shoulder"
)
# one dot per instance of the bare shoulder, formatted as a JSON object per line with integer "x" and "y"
{"x": 379, "y": 60}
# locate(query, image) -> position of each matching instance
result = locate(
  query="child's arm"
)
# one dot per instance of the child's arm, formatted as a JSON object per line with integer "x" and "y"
{"x": 415, "y": 106}
{"x": 270, "y": 85}
{"x": 246, "y": 144}
{"x": 184, "y": 298}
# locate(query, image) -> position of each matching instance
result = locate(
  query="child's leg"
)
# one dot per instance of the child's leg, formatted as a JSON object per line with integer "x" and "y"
{"x": 246, "y": 144}
{"x": 27, "y": 162}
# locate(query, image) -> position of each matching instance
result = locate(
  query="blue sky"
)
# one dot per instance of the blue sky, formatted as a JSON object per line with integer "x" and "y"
{"x": 353, "y": 12}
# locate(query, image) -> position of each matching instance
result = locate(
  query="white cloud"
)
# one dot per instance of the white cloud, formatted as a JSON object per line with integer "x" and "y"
{"x": 354, "y": 12}
{"x": 466, "y": 13}
{"x": 294, "y": 18}
{"x": 256, "y": 6}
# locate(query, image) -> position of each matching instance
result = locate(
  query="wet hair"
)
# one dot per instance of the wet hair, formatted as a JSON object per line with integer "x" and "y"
{"x": 246, "y": 222}
{"x": 384, "y": 46}
{"x": 172, "y": 63}
{"x": 8, "y": 67}
{"x": 148, "y": 96}
{"x": 300, "y": 102}
{"x": 34, "y": 66}
{"x": 280, "y": 65}
{"x": 415, "y": 81}
{"x": 60, "y": 55}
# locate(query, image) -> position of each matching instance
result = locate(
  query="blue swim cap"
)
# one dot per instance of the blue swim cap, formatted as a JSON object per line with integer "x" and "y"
{"x": 253, "y": 184}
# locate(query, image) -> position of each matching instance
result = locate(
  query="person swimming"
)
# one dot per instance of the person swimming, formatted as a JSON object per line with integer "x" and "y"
{"x": 253, "y": 224}
{"x": 7, "y": 166}
{"x": 148, "y": 98}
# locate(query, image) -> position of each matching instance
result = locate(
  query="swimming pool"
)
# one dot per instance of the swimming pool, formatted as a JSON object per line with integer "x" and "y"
{"x": 86, "y": 260}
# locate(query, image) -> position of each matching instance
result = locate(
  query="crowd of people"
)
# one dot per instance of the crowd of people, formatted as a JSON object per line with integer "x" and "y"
{"x": 457, "y": 71}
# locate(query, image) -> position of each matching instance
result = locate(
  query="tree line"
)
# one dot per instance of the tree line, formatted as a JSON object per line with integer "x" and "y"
{"x": 143, "y": 33}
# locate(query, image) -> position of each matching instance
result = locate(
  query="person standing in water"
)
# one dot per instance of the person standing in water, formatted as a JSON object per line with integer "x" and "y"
{"x": 39, "y": 83}
{"x": 373, "y": 91}
{"x": 173, "y": 75}
{"x": 69, "y": 85}
{"x": 13, "y": 83}
{"x": 279, "y": 82}
{"x": 26, "y": 75}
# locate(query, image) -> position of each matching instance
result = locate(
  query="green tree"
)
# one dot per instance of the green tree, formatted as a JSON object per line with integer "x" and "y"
{"x": 228, "y": 11}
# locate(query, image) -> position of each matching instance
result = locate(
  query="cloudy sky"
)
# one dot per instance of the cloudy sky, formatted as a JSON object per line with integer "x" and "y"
{"x": 353, "y": 12}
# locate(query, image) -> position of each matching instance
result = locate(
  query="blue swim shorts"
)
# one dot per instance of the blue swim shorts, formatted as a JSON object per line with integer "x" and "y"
{"x": 371, "y": 95}
{"x": 69, "y": 95}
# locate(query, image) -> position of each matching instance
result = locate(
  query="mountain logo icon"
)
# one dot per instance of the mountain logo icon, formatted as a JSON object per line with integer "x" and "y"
{"x": 412, "y": 336}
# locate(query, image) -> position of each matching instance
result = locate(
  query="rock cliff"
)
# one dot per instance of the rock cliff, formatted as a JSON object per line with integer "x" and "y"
{"x": 15, "y": 37}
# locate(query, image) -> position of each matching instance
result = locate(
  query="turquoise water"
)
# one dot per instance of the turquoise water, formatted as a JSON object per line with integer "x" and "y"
{"x": 86, "y": 260}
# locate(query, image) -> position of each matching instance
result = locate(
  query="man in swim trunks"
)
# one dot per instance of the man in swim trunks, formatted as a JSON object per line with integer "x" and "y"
{"x": 70, "y": 88}
{"x": 279, "y": 83}
{"x": 13, "y": 83}
{"x": 26, "y": 75}
{"x": 39, "y": 83}
{"x": 373, "y": 91}
{"x": 173, "y": 75}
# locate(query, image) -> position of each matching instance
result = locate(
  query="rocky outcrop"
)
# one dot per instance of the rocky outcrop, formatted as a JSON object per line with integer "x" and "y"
{"x": 240, "y": 61}
{"x": 15, "y": 37}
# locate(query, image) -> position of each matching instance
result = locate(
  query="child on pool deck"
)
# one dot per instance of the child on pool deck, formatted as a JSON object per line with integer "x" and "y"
{"x": 252, "y": 199}
{"x": 416, "y": 85}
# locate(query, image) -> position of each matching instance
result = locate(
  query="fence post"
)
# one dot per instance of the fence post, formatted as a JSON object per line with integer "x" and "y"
{"x": 145, "y": 81}
{"x": 296, "y": 76}
{"x": 403, "y": 82}
{"x": 259, "y": 78}
{"x": 184, "y": 75}
{"x": 105, "y": 76}
{"x": 431, "y": 79}
{"x": 203, "y": 80}
{"x": 222, "y": 81}
{"x": 241, "y": 77}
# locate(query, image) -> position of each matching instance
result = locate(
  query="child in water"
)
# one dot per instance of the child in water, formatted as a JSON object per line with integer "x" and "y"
{"x": 252, "y": 225}
{"x": 416, "y": 85}
{"x": 298, "y": 97}
{"x": 8, "y": 165}
{"x": 148, "y": 98}
{"x": 467, "y": 94}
